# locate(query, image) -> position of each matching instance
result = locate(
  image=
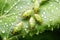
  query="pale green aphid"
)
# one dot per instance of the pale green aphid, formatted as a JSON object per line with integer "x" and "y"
{"x": 32, "y": 22}
{"x": 18, "y": 27}
{"x": 27, "y": 13}
{"x": 36, "y": 5}
{"x": 38, "y": 18}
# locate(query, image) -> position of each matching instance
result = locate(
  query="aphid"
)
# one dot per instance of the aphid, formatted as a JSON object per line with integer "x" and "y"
{"x": 18, "y": 27}
{"x": 38, "y": 18}
{"x": 36, "y": 5}
{"x": 27, "y": 13}
{"x": 32, "y": 22}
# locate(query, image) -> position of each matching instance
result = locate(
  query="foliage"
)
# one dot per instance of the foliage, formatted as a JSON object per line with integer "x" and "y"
{"x": 36, "y": 17}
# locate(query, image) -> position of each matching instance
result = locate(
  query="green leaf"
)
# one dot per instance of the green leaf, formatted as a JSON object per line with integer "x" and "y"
{"x": 11, "y": 15}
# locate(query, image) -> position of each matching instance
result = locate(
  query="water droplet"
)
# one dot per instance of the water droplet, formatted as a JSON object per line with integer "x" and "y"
{"x": 5, "y": 11}
{"x": 26, "y": 26}
{"x": 12, "y": 23}
{"x": 21, "y": 7}
{"x": 3, "y": 31}
{"x": 0, "y": 20}
{"x": 14, "y": 13}
{"x": 15, "y": 4}
{"x": 48, "y": 25}
{"x": 52, "y": 11}
{"x": 25, "y": 29}
{"x": 16, "y": 16}
{"x": 20, "y": 14}
{"x": 57, "y": 0}
{"x": 11, "y": 7}
{"x": 45, "y": 17}
{"x": 51, "y": 5}
{"x": 56, "y": 8}
{"x": 16, "y": 7}
{"x": 5, "y": 23}
{"x": 23, "y": 36}
{"x": 50, "y": 19}
{"x": 28, "y": 3}
{"x": 48, "y": 7}
{"x": 33, "y": 0}
{"x": 44, "y": 13}
{"x": 4, "y": 38}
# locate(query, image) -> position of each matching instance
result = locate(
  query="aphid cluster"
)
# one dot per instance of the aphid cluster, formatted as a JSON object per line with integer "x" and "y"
{"x": 33, "y": 17}
{"x": 26, "y": 18}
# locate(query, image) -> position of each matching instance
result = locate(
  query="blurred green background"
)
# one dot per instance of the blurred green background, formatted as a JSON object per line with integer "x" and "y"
{"x": 47, "y": 35}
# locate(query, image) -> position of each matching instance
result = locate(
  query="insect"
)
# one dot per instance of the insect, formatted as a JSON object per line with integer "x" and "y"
{"x": 32, "y": 22}
{"x": 27, "y": 13}
{"x": 38, "y": 18}
{"x": 18, "y": 27}
{"x": 36, "y": 5}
